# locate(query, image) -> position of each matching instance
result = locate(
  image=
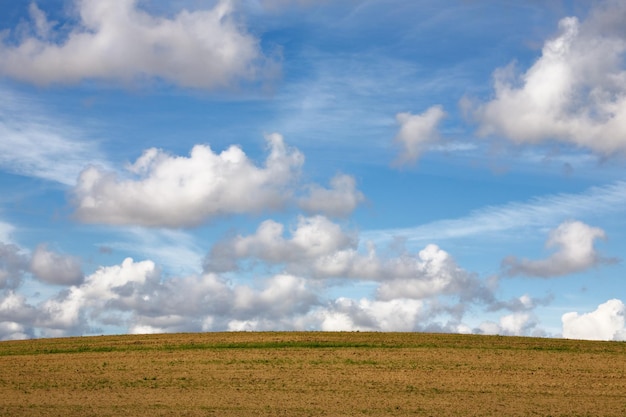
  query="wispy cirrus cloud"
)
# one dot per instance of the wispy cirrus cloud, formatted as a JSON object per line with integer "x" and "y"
{"x": 537, "y": 212}
{"x": 34, "y": 143}
{"x": 6, "y": 230}
{"x": 177, "y": 251}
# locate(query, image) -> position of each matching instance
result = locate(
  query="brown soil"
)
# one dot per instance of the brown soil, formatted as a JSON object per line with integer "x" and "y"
{"x": 312, "y": 374}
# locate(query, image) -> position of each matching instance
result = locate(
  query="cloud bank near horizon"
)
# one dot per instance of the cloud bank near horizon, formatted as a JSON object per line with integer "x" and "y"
{"x": 411, "y": 291}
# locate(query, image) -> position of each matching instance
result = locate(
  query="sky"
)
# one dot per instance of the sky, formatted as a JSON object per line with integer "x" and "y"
{"x": 374, "y": 165}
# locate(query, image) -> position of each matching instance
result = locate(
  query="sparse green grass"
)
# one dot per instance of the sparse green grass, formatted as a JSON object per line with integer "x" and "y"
{"x": 311, "y": 374}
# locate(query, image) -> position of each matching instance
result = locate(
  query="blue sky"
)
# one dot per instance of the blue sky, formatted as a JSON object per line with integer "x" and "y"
{"x": 200, "y": 165}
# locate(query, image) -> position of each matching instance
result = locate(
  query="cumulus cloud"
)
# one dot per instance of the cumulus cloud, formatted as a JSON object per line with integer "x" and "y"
{"x": 13, "y": 331}
{"x": 119, "y": 41}
{"x": 423, "y": 291}
{"x": 319, "y": 249}
{"x": 282, "y": 296}
{"x": 514, "y": 324}
{"x": 575, "y": 252}
{"x": 409, "y": 291}
{"x": 574, "y": 93}
{"x": 339, "y": 200}
{"x": 173, "y": 191}
{"x": 67, "y": 313}
{"x": 18, "y": 265}
{"x": 55, "y": 268}
{"x": 432, "y": 272}
{"x": 312, "y": 238}
{"x": 17, "y": 315}
{"x": 417, "y": 131}
{"x": 139, "y": 297}
{"x": 44, "y": 264}
{"x": 407, "y": 314}
{"x": 13, "y": 265}
{"x": 607, "y": 322}
{"x": 367, "y": 315}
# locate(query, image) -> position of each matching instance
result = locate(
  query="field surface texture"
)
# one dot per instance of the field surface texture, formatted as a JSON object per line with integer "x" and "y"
{"x": 312, "y": 374}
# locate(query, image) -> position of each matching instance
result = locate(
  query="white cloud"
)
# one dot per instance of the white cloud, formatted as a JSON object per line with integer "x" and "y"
{"x": 41, "y": 24}
{"x": 55, "y": 268}
{"x": 6, "y": 230}
{"x": 173, "y": 191}
{"x": 574, "y": 93}
{"x": 14, "y": 308}
{"x": 367, "y": 315}
{"x": 119, "y": 41}
{"x": 13, "y": 331}
{"x": 413, "y": 290}
{"x": 115, "y": 284}
{"x": 338, "y": 201}
{"x": 46, "y": 265}
{"x": 607, "y": 322}
{"x": 13, "y": 265}
{"x": 134, "y": 295}
{"x": 349, "y": 263}
{"x": 575, "y": 252}
{"x": 282, "y": 296}
{"x": 432, "y": 272}
{"x": 515, "y": 324}
{"x": 429, "y": 274}
{"x": 145, "y": 329}
{"x": 319, "y": 249}
{"x": 417, "y": 131}
{"x": 312, "y": 238}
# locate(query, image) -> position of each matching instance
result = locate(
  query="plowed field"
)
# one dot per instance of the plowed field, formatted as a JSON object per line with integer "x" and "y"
{"x": 312, "y": 374}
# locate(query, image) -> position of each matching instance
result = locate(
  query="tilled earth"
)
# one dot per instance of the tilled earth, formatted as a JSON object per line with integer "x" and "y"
{"x": 312, "y": 374}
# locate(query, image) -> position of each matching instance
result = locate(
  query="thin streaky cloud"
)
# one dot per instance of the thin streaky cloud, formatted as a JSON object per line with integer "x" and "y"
{"x": 176, "y": 251}
{"x": 537, "y": 212}
{"x": 5, "y": 232}
{"x": 34, "y": 143}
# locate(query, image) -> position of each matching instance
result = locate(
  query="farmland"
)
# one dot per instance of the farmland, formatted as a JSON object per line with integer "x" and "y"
{"x": 312, "y": 374}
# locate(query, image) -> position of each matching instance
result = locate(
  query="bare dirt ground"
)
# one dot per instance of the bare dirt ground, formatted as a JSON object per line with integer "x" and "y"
{"x": 312, "y": 374}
